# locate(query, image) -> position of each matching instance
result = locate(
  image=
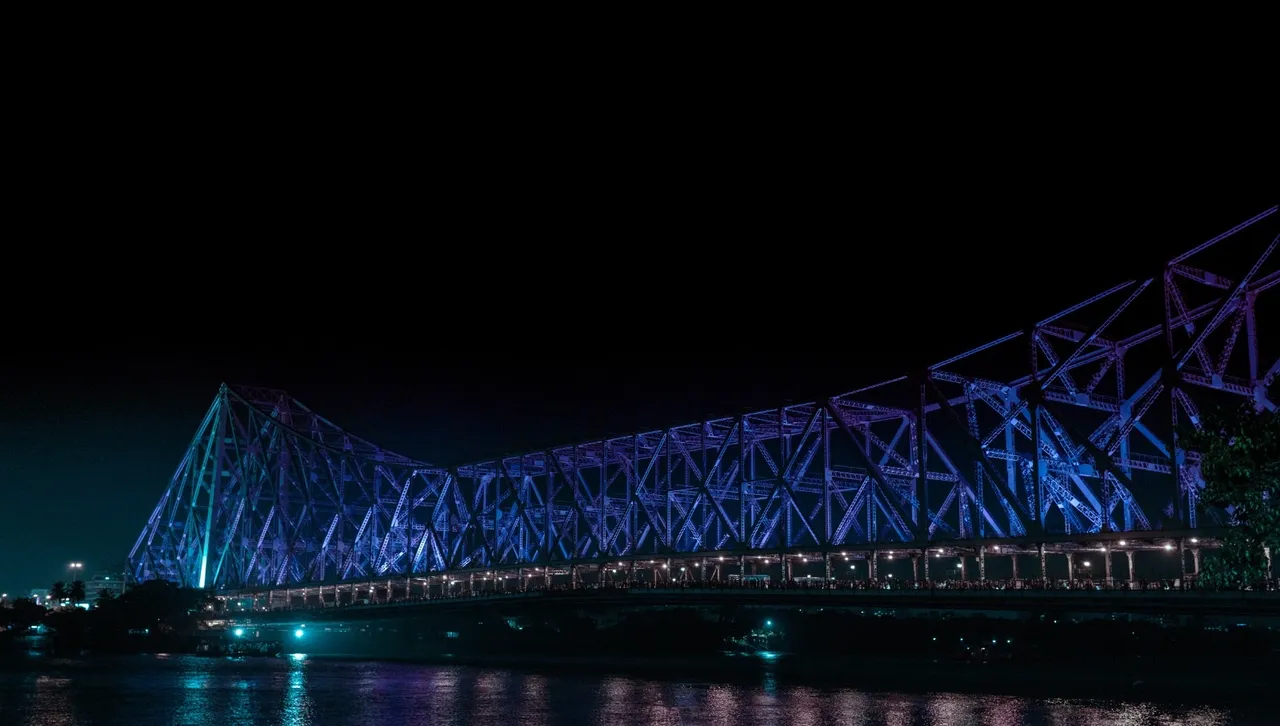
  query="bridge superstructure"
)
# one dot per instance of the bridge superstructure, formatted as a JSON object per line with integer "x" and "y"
{"x": 1064, "y": 431}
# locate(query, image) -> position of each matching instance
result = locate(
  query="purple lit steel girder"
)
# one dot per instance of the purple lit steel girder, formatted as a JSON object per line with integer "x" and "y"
{"x": 1040, "y": 432}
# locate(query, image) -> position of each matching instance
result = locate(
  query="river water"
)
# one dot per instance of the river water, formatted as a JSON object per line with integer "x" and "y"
{"x": 298, "y": 691}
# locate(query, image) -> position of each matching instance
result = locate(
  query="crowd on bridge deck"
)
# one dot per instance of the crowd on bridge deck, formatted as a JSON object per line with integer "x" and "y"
{"x": 1167, "y": 585}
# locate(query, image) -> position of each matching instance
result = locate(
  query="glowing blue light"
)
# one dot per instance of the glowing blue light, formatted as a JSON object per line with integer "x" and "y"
{"x": 298, "y": 633}
{"x": 768, "y": 623}
{"x": 239, "y": 632}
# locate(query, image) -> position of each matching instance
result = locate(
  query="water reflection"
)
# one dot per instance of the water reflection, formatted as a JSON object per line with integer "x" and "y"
{"x": 1062, "y": 712}
{"x": 297, "y": 701}
{"x": 51, "y": 701}
{"x": 300, "y": 691}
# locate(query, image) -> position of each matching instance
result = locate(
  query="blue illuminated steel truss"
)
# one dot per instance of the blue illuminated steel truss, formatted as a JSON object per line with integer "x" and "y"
{"x": 269, "y": 493}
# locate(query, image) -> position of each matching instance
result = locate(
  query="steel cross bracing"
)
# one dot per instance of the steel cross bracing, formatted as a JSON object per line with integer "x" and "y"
{"x": 1067, "y": 427}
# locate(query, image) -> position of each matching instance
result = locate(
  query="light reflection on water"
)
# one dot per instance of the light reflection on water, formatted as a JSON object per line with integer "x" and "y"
{"x": 300, "y": 691}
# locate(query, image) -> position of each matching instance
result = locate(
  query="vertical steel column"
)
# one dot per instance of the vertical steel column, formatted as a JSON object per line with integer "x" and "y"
{"x": 1044, "y": 572}
{"x": 982, "y": 563}
{"x": 827, "y": 483}
{"x": 920, "y": 518}
{"x": 1128, "y": 555}
{"x": 1037, "y": 462}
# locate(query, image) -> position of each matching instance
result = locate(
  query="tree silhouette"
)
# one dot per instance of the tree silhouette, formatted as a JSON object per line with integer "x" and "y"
{"x": 58, "y": 592}
{"x": 105, "y": 596}
{"x": 76, "y": 593}
{"x": 1240, "y": 464}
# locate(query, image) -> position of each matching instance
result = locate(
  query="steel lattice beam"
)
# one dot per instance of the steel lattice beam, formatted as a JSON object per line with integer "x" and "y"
{"x": 1039, "y": 432}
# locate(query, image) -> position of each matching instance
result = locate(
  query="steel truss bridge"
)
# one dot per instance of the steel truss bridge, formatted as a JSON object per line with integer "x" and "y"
{"x": 1065, "y": 431}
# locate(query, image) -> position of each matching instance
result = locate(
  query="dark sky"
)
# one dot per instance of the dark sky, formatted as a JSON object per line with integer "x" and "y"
{"x": 471, "y": 316}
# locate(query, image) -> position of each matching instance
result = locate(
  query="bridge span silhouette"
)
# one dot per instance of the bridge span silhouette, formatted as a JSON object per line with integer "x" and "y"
{"x": 1059, "y": 438}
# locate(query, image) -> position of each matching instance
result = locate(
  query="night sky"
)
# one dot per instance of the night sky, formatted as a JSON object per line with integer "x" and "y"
{"x": 450, "y": 332}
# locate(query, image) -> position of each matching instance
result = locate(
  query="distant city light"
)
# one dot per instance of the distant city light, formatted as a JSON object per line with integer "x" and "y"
{"x": 239, "y": 632}
{"x": 298, "y": 633}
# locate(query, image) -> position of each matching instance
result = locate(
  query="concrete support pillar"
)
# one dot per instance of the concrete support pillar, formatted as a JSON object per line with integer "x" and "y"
{"x": 925, "y": 555}
{"x": 1106, "y": 557}
{"x": 1266, "y": 552}
{"x": 702, "y": 571}
{"x": 915, "y": 567}
{"x": 1044, "y": 572}
{"x": 826, "y": 559}
{"x": 1071, "y": 566}
{"x": 1195, "y": 560}
{"x": 982, "y": 563}
{"x": 1013, "y": 559}
{"x": 1129, "y": 559}
{"x": 872, "y": 563}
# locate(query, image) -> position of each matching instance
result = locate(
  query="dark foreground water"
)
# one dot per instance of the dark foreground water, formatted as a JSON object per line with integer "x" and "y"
{"x": 297, "y": 690}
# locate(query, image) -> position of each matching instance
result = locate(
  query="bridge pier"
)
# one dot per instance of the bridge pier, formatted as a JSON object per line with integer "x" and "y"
{"x": 915, "y": 567}
{"x": 982, "y": 563}
{"x": 1266, "y": 552}
{"x": 1106, "y": 562}
{"x": 1195, "y": 561}
{"x": 1128, "y": 554}
{"x": 1071, "y": 566}
{"x": 1013, "y": 559}
{"x": 1044, "y": 572}
{"x": 926, "y": 565}
{"x": 872, "y": 566}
